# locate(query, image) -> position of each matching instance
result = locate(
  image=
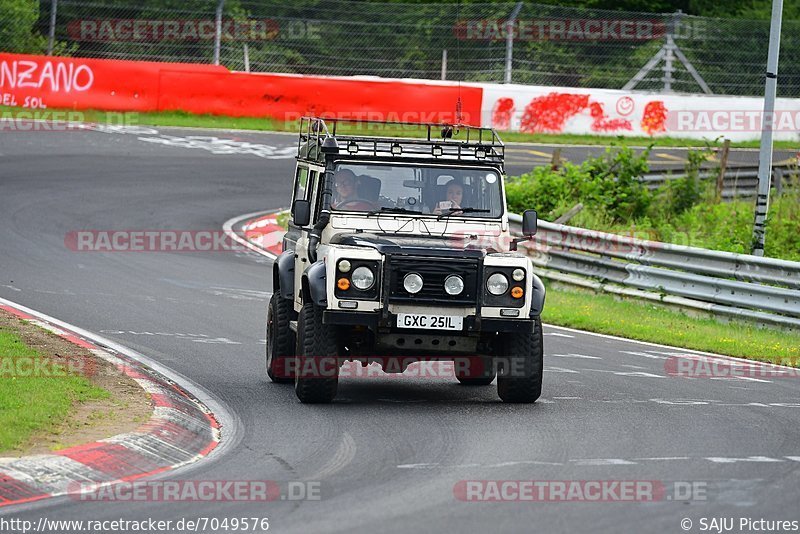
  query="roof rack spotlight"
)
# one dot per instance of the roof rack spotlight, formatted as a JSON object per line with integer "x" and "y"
{"x": 437, "y": 151}
{"x": 330, "y": 145}
{"x": 352, "y": 147}
{"x": 480, "y": 153}
{"x": 397, "y": 150}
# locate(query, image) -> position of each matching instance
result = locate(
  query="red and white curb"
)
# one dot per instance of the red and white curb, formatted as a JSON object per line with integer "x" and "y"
{"x": 181, "y": 430}
{"x": 258, "y": 231}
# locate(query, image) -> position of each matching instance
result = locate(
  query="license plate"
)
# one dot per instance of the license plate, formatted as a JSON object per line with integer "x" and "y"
{"x": 430, "y": 322}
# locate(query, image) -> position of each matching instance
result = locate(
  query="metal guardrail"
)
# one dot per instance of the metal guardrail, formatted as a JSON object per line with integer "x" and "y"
{"x": 765, "y": 290}
{"x": 739, "y": 182}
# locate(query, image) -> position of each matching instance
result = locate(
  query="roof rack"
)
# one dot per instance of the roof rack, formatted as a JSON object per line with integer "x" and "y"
{"x": 440, "y": 141}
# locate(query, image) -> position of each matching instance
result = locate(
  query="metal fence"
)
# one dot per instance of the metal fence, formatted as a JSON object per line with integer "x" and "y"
{"x": 520, "y": 42}
{"x": 765, "y": 290}
{"x": 739, "y": 182}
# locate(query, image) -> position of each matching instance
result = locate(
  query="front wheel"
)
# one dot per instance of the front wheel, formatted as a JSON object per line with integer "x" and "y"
{"x": 519, "y": 378}
{"x": 317, "y": 372}
{"x": 280, "y": 340}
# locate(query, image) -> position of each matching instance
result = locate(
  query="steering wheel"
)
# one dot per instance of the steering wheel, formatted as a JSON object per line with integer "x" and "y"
{"x": 356, "y": 205}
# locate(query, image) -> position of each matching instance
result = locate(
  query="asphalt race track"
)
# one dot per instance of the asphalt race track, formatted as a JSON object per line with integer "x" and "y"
{"x": 389, "y": 452}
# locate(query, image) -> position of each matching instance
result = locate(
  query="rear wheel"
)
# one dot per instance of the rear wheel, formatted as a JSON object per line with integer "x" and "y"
{"x": 280, "y": 340}
{"x": 317, "y": 373}
{"x": 475, "y": 370}
{"x": 520, "y": 376}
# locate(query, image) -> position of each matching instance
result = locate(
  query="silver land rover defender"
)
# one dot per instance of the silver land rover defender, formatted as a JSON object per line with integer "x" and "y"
{"x": 399, "y": 251}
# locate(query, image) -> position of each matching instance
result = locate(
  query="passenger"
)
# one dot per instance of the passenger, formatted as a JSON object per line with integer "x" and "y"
{"x": 454, "y": 194}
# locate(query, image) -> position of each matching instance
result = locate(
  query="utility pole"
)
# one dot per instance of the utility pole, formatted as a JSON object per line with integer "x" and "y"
{"x": 767, "y": 125}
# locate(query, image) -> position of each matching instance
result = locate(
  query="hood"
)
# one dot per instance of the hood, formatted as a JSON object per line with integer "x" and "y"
{"x": 417, "y": 245}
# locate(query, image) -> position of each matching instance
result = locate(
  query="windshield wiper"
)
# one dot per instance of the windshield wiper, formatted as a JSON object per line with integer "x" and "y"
{"x": 453, "y": 211}
{"x": 387, "y": 209}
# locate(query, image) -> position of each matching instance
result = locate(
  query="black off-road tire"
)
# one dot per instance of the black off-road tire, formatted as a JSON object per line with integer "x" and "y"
{"x": 317, "y": 372}
{"x": 280, "y": 340}
{"x": 479, "y": 371}
{"x": 520, "y": 377}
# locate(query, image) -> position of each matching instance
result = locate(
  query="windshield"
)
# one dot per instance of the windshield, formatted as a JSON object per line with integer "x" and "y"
{"x": 463, "y": 192}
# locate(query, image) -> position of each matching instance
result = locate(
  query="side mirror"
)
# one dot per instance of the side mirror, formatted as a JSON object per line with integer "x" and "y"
{"x": 302, "y": 213}
{"x": 529, "y": 223}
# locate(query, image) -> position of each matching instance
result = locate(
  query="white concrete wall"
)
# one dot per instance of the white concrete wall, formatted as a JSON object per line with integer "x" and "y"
{"x": 614, "y": 112}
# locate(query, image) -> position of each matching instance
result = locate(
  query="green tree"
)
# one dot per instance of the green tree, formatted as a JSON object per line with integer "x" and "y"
{"x": 18, "y": 27}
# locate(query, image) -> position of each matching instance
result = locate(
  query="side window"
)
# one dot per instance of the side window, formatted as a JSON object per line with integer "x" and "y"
{"x": 310, "y": 193}
{"x": 300, "y": 183}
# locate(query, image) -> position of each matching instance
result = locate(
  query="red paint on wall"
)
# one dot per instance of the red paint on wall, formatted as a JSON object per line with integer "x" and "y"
{"x": 654, "y": 117}
{"x": 502, "y": 113}
{"x": 602, "y": 123}
{"x": 550, "y": 113}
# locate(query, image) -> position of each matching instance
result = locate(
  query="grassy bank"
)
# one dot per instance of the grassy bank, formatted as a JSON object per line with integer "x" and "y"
{"x": 190, "y": 120}
{"x": 33, "y": 402}
{"x": 643, "y": 321}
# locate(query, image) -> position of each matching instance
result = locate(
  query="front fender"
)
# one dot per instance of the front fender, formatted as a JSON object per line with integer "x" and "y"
{"x": 537, "y": 297}
{"x": 283, "y": 274}
{"x": 315, "y": 288}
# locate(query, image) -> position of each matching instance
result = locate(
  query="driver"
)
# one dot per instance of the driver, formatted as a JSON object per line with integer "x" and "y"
{"x": 345, "y": 181}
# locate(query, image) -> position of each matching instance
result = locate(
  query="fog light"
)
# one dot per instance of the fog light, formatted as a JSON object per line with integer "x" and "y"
{"x": 343, "y": 284}
{"x": 412, "y": 283}
{"x": 453, "y": 285}
{"x": 517, "y": 292}
{"x": 509, "y": 313}
{"x": 518, "y": 275}
{"x": 348, "y": 304}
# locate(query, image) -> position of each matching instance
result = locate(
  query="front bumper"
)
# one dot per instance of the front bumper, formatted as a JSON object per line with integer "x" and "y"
{"x": 472, "y": 324}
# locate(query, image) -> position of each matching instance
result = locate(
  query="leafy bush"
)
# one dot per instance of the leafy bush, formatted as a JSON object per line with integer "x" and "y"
{"x": 609, "y": 184}
{"x": 683, "y": 211}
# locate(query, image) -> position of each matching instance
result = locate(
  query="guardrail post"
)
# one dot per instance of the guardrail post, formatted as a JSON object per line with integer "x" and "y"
{"x": 444, "y": 64}
{"x": 723, "y": 166}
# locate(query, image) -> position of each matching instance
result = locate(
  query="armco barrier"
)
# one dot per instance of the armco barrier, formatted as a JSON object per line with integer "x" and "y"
{"x": 79, "y": 83}
{"x": 735, "y": 285}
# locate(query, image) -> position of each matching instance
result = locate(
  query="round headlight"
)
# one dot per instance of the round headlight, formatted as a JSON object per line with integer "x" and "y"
{"x": 453, "y": 285}
{"x": 412, "y": 283}
{"x": 363, "y": 278}
{"x": 344, "y": 266}
{"x": 497, "y": 284}
{"x": 518, "y": 275}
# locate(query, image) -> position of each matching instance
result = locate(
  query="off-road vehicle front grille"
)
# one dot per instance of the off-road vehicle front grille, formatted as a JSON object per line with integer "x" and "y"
{"x": 433, "y": 272}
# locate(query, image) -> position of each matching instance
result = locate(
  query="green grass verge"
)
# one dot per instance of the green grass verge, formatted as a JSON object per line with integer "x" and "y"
{"x": 643, "y": 321}
{"x": 33, "y": 404}
{"x": 190, "y": 120}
